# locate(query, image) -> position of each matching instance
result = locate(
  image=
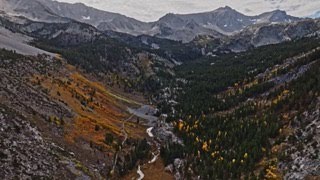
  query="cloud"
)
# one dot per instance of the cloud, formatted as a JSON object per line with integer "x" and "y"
{"x": 151, "y": 10}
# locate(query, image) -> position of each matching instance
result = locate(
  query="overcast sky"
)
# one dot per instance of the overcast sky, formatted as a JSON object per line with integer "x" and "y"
{"x": 151, "y": 10}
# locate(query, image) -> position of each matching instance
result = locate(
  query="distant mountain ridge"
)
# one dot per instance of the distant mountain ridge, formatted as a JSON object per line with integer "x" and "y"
{"x": 224, "y": 21}
{"x": 221, "y": 22}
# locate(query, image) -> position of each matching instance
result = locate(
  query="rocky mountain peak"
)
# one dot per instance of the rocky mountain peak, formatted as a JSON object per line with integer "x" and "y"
{"x": 277, "y": 16}
{"x": 225, "y": 9}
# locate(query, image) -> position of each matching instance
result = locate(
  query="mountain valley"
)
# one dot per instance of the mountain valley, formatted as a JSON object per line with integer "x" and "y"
{"x": 90, "y": 94}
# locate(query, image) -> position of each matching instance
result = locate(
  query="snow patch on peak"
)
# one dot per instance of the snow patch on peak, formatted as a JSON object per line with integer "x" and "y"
{"x": 315, "y": 15}
{"x": 86, "y": 17}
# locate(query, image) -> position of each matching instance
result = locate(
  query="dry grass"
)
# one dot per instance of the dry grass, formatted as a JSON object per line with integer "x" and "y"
{"x": 93, "y": 106}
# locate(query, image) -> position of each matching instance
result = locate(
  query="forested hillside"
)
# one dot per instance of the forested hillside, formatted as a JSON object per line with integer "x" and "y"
{"x": 235, "y": 112}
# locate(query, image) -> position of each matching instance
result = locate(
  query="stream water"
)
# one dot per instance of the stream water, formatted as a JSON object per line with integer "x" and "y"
{"x": 146, "y": 112}
{"x": 140, "y": 173}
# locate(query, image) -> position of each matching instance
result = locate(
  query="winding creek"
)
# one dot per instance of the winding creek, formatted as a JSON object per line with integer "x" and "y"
{"x": 149, "y": 132}
{"x": 146, "y": 112}
{"x": 155, "y": 133}
{"x": 140, "y": 173}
